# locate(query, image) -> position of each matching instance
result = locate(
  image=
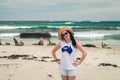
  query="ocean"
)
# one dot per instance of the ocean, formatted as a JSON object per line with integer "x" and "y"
{"x": 87, "y": 32}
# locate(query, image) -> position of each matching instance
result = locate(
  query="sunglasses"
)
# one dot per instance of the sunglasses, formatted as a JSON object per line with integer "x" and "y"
{"x": 64, "y": 34}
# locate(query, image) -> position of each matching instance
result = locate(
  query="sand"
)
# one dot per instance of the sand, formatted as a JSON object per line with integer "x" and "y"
{"x": 36, "y": 63}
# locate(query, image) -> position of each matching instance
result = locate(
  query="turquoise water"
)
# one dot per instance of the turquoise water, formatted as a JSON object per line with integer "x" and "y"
{"x": 85, "y": 31}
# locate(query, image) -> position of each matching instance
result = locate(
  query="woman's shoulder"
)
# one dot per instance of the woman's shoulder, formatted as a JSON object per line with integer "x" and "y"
{"x": 62, "y": 42}
{"x": 78, "y": 43}
{"x": 58, "y": 45}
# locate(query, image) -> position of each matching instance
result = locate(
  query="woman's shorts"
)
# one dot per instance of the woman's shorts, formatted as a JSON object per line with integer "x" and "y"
{"x": 68, "y": 72}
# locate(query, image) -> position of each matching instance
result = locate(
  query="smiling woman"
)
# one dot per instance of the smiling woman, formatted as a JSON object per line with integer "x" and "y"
{"x": 68, "y": 45}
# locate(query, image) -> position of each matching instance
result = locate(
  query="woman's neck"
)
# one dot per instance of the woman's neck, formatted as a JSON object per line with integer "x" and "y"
{"x": 67, "y": 40}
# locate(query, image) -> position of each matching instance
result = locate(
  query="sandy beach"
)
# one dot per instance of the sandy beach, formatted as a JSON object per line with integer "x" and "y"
{"x": 36, "y": 63}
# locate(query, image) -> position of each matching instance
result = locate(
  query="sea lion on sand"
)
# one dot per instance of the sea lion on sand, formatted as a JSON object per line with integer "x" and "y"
{"x": 21, "y": 43}
{"x": 50, "y": 43}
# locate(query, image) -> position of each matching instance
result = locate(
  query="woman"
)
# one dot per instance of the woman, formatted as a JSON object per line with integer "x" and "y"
{"x": 68, "y": 45}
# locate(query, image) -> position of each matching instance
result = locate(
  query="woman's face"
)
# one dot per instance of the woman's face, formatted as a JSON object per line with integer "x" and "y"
{"x": 66, "y": 35}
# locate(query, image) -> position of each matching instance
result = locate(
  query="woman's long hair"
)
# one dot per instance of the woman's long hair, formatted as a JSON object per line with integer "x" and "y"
{"x": 72, "y": 39}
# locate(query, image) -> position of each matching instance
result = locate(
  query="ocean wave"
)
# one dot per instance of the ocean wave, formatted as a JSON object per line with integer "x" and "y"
{"x": 93, "y": 35}
{"x": 89, "y": 35}
{"x": 83, "y": 35}
{"x": 13, "y": 27}
{"x": 80, "y": 35}
{"x": 69, "y": 23}
{"x": 51, "y": 26}
{"x": 9, "y": 34}
{"x": 53, "y": 34}
{"x": 113, "y": 36}
{"x": 118, "y": 27}
{"x": 47, "y": 27}
{"x": 96, "y": 28}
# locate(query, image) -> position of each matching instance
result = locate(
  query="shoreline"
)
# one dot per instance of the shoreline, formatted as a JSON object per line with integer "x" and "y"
{"x": 29, "y": 41}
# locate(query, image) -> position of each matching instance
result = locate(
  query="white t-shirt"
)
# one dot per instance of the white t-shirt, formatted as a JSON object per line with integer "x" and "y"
{"x": 68, "y": 55}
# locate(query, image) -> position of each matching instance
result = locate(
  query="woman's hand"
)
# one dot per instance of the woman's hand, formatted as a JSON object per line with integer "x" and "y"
{"x": 76, "y": 63}
{"x": 57, "y": 61}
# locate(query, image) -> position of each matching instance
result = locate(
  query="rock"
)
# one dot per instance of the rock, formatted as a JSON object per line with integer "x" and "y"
{"x": 89, "y": 45}
{"x": 35, "y": 35}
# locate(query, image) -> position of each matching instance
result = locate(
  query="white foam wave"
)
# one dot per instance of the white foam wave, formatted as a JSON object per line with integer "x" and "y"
{"x": 69, "y": 23}
{"x": 52, "y": 26}
{"x": 58, "y": 26}
{"x": 84, "y": 35}
{"x": 9, "y": 34}
{"x": 89, "y": 35}
{"x": 54, "y": 34}
{"x": 118, "y": 28}
{"x": 13, "y": 27}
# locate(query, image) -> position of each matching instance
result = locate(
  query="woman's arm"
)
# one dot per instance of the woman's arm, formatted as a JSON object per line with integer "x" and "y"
{"x": 84, "y": 53}
{"x": 57, "y": 46}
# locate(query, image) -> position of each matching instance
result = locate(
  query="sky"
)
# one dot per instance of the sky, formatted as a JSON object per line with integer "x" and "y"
{"x": 59, "y": 10}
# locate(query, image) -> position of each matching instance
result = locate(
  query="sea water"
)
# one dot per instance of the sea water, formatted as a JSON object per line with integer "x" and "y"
{"x": 86, "y": 32}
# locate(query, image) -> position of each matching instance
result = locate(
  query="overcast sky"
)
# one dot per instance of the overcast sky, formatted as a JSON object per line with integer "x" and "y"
{"x": 74, "y": 10}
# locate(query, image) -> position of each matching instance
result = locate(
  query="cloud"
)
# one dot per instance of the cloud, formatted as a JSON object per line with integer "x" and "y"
{"x": 42, "y": 3}
{"x": 59, "y": 9}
